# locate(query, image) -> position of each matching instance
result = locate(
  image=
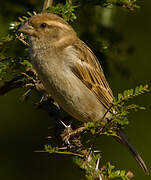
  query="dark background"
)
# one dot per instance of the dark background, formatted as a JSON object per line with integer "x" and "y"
{"x": 23, "y": 128}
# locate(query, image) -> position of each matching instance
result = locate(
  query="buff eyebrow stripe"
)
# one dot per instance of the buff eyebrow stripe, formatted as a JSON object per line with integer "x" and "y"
{"x": 58, "y": 24}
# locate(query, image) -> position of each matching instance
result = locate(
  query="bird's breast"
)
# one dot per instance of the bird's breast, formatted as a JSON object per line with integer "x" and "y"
{"x": 67, "y": 89}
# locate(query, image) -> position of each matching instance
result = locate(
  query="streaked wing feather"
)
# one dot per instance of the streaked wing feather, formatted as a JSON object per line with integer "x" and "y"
{"x": 91, "y": 74}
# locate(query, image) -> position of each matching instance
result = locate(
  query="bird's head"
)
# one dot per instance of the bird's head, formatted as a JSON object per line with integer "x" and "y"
{"x": 47, "y": 26}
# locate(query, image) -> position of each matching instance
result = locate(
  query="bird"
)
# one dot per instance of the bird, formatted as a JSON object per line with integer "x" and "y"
{"x": 70, "y": 72}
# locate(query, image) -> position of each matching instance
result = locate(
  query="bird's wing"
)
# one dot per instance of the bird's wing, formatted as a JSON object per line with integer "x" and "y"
{"x": 89, "y": 71}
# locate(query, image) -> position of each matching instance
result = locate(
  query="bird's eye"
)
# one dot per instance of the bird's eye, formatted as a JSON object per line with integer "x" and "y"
{"x": 43, "y": 25}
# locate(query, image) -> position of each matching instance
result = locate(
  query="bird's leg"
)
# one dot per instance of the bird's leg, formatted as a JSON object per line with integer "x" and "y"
{"x": 71, "y": 138}
{"x": 65, "y": 135}
{"x": 69, "y": 133}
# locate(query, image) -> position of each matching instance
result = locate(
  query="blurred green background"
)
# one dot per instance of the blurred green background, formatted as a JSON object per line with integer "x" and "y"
{"x": 23, "y": 128}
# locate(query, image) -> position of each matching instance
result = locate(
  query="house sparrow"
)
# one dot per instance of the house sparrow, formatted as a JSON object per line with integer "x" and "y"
{"x": 70, "y": 71}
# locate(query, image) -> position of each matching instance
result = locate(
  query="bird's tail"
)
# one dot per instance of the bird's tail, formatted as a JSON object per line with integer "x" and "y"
{"x": 123, "y": 140}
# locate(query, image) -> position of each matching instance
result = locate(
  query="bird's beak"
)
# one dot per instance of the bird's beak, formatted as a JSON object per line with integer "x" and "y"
{"x": 26, "y": 29}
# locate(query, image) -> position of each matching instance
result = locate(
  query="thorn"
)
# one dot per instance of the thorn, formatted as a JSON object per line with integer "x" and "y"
{"x": 34, "y": 12}
{"x": 41, "y": 100}
{"x": 68, "y": 142}
{"x": 89, "y": 158}
{"x": 20, "y": 19}
{"x": 97, "y": 164}
{"x": 63, "y": 148}
{"x": 100, "y": 178}
{"x": 48, "y": 137}
{"x": 96, "y": 151}
{"x": 65, "y": 124}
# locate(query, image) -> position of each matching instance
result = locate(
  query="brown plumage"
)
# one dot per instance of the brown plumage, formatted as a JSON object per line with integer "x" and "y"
{"x": 91, "y": 74}
{"x": 71, "y": 72}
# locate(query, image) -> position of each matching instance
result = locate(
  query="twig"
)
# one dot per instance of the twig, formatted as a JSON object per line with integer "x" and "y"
{"x": 21, "y": 38}
{"x": 70, "y": 1}
{"x": 15, "y": 83}
{"x": 47, "y": 4}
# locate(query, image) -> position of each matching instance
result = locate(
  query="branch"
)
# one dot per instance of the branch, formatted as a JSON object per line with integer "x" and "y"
{"x": 47, "y": 104}
{"x": 15, "y": 83}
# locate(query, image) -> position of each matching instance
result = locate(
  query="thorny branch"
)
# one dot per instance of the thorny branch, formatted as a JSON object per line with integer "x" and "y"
{"x": 46, "y": 104}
